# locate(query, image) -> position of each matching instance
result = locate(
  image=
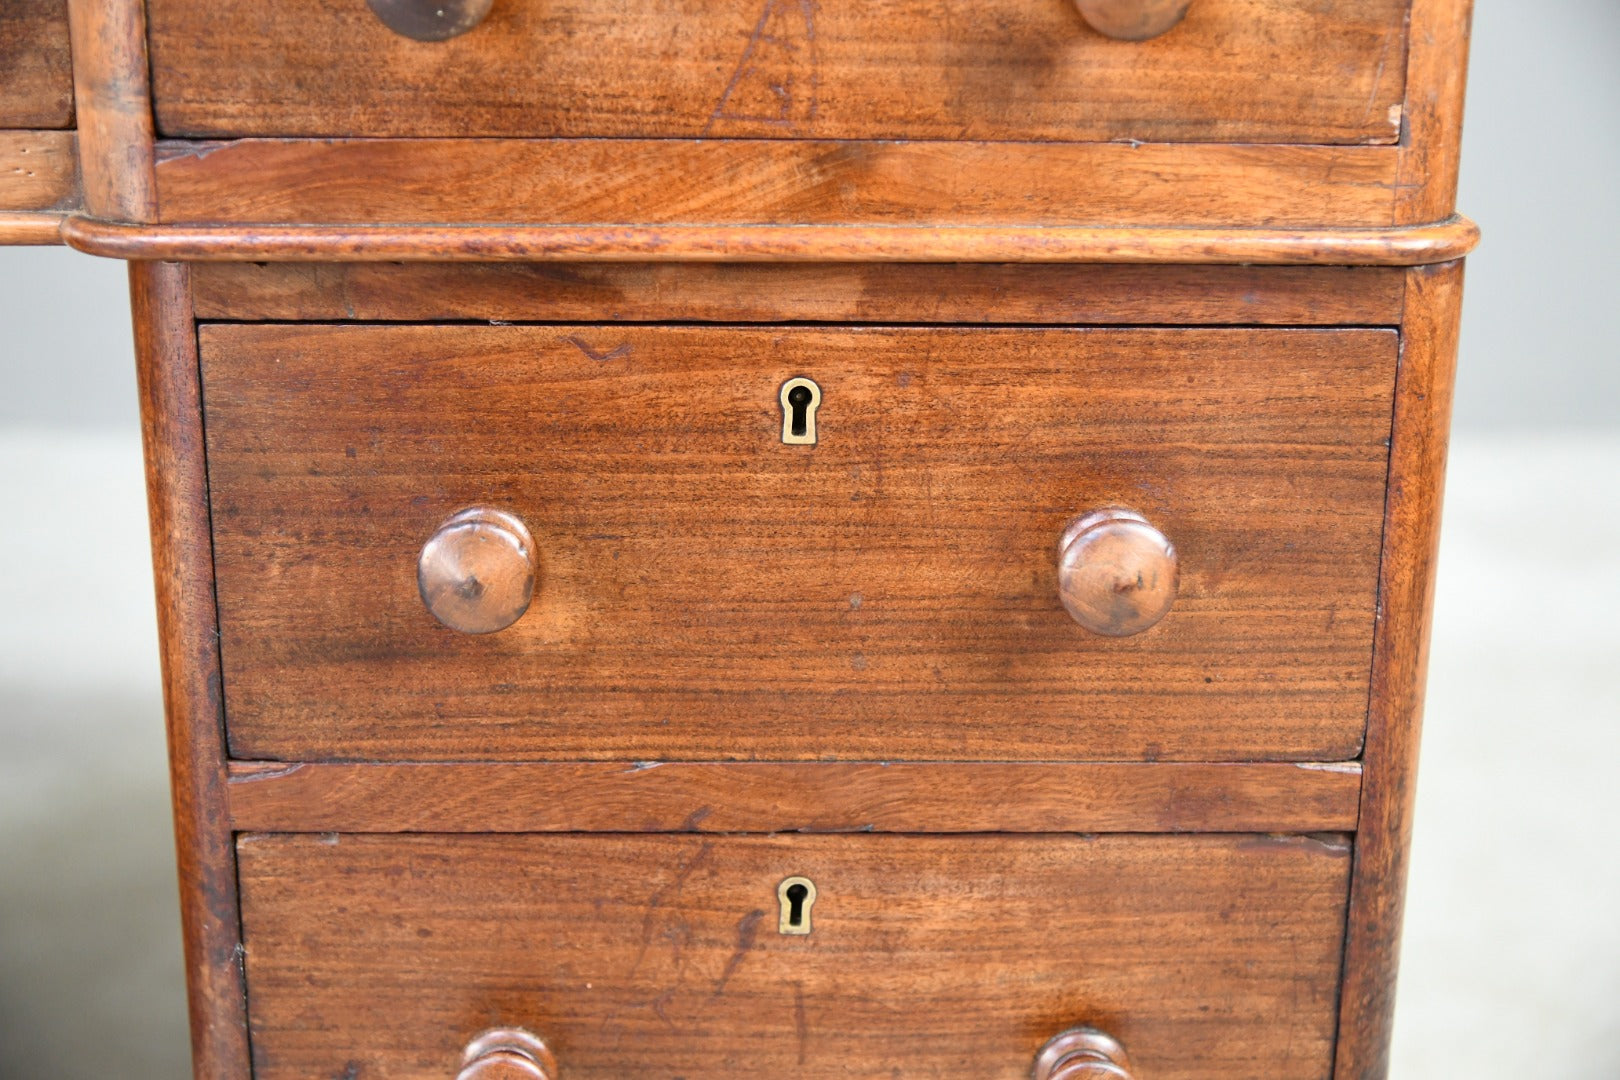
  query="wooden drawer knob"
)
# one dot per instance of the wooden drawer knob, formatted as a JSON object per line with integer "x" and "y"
{"x": 1083, "y": 1054}
{"x": 1132, "y": 20}
{"x": 430, "y": 20}
{"x": 1117, "y": 574}
{"x": 476, "y": 572}
{"x": 508, "y": 1054}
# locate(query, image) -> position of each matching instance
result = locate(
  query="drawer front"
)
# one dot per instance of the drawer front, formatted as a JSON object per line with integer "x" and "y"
{"x": 1284, "y": 71}
{"x": 663, "y": 956}
{"x": 36, "y": 69}
{"x": 707, "y": 592}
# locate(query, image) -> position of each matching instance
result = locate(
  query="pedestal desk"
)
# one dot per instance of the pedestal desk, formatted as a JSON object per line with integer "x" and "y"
{"x": 792, "y": 538}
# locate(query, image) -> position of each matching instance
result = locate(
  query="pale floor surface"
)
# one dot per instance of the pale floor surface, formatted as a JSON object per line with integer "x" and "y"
{"x": 1512, "y": 958}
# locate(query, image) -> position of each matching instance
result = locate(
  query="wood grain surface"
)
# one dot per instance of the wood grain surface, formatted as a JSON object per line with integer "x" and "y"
{"x": 1211, "y": 958}
{"x": 112, "y": 82}
{"x": 1233, "y": 71}
{"x": 711, "y": 594}
{"x": 1440, "y": 242}
{"x": 38, "y": 171}
{"x": 734, "y": 797}
{"x": 182, "y": 563}
{"x": 25, "y": 229}
{"x": 1096, "y": 295}
{"x": 36, "y": 65}
{"x": 710, "y": 182}
{"x": 1400, "y": 668}
{"x": 1431, "y": 142}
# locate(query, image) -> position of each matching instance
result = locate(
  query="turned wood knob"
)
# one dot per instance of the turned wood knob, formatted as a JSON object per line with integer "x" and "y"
{"x": 430, "y": 20}
{"x": 1116, "y": 573}
{"x": 1132, "y": 20}
{"x": 476, "y": 572}
{"x": 508, "y": 1054}
{"x": 1083, "y": 1054}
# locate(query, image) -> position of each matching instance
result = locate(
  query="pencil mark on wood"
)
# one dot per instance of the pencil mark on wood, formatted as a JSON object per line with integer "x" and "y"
{"x": 801, "y": 1023}
{"x": 747, "y": 934}
{"x": 776, "y": 79}
{"x": 622, "y": 349}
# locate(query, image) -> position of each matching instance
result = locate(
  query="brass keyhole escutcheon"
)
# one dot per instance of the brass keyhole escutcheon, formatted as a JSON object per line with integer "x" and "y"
{"x": 800, "y": 399}
{"x": 796, "y": 895}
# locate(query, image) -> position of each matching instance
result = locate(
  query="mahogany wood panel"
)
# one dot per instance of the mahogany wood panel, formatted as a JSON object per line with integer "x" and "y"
{"x": 21, "y": 228}
{"x": 708, "y": 593}
{"x": 1431, "y": 142}
{"x": 36, "y": 65}
{"x": 38, "y": 171}
{"x": 1234, "y": 71}
{"x": 1413, "y": 246}
{"x": 113, "y": 85}
{"x": 1400, "y": 667}
{"x": 1211, "y": 958}
{"x": 177, "y": 497}
{"x": 730, "y": 797}
{"x": 763, "y": 292}
{"x": 707, "y": 183}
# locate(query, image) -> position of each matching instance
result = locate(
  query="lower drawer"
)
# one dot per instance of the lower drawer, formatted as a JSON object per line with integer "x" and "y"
{"x": 665, "y": 957}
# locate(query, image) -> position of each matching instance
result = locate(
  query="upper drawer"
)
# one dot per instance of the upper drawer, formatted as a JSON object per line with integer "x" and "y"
{"x": 36, "y": 70}
{"x": 1274, "y": 71}
{"x": 705, "y": 591}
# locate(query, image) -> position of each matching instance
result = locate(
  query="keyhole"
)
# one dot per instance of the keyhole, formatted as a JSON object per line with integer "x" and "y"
{"x": 797, "y": 896}
{"x": 800, "y": 400}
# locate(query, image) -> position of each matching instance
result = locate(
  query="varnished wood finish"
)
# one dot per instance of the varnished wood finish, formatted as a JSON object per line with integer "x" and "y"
{"x": 1212, "y": 958}
{"x": 1096, "y": 295}
{"x": 39, "y": 184}
{"x": 888, "y": 593}
{"x": 817, "y": 797}
{"x": 29, "y": 229}
{"x": 477, "y": 571}
{"x": 508, "y": 1054}
{"x": 446, "y": 873}
{"x": 1431, "y": 141}
{"x": 36, "y": 68}
{"x": 1083, "y": 1054}
{"x": 1136, "y": 20}
{"x": 1400, "y": 666}
{"x": 1116, "y": 572}
{"x": 430, "y": 20}
{"x": 1369, "y": 247}
{"x": 38, "y": 172}
{"x": 177, "y": 495}
{"x": 702, "y": 185}
{"x": 1023, "y": 70}
{"x": 112, "y": 85}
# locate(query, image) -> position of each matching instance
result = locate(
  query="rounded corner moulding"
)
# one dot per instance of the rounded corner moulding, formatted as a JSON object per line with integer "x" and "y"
{"x": 1411, "y": 245}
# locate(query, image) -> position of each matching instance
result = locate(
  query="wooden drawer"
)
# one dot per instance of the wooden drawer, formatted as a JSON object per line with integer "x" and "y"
{"x": 36, "y": 69}
{"x": 1276, "y": 71}
{"x": 707, "y": 592}
{"x": 1209, "y": 958}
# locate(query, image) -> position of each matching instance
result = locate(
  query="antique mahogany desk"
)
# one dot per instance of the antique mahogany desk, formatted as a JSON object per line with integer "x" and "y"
{"x": 777, "y": 538}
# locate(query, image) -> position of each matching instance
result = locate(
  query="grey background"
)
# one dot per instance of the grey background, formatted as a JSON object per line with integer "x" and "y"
{"x": 1511, "y": 930}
